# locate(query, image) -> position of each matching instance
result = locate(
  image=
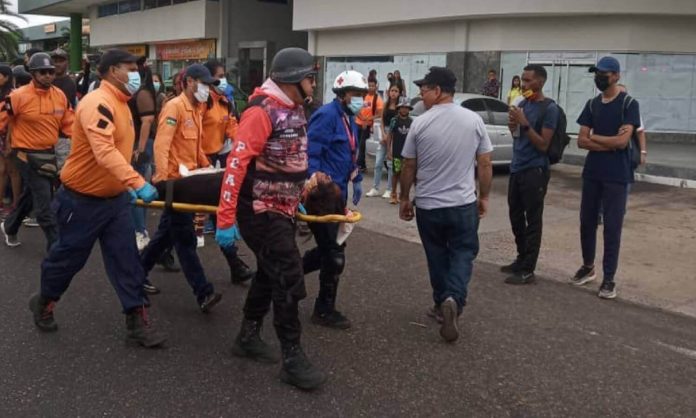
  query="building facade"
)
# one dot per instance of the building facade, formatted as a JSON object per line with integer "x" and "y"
{"x": 244, "y": 34}
{"x": 654, "y": 41}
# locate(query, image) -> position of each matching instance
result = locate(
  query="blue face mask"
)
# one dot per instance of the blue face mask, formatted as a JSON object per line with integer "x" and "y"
{"x": 355, "y": 105}
{"x": 223, "y": 84}
{"x": 157, "y": 85}
{"x": 133, "y": 82}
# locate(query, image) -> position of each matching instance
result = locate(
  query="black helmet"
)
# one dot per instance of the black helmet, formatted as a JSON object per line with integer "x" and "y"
{"x": 292, "y": 65}
{"x": 21, "y": 75}
{"x": 40, "y": 61}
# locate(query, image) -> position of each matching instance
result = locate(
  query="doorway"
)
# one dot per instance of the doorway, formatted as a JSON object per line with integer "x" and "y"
{"x": 570, "y": 84}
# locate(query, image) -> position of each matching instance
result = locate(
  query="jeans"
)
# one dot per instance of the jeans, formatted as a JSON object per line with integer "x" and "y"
{"x": 451, "y": 243}
{"x": 279, "y": 279}
{"x": 379, "y": 165}
{"x": 82, "y": 221}
{"x": 37, "y": 193}
{"x": 526, "y": 193}
{"x": 611, "y": 198}
{"x": 176, "y": 228}
{"x": 363, "y": 136}
{"x": 145, "y": 170}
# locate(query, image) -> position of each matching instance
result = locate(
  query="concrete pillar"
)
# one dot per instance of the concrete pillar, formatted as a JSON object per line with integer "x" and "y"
{"x": 75, "y": 41}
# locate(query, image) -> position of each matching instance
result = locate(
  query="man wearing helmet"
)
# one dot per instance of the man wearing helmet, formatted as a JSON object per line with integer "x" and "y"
{"x": 333, "y": 150}
{"x": 263, "y": 181}
{"x": 36, "y": 113}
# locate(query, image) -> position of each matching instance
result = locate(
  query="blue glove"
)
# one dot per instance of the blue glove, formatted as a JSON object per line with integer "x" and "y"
{"x": 357, "y": 192}
{"x": 133, "y": 196}
{"x": 227, "y": 237}
{"x": 301, "y": 209}
{"x": 148, "y": 193}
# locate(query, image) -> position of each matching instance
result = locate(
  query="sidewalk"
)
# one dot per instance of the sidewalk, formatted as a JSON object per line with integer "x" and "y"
{"x": 665, "y": 159}
{"x": 656, "y": 267}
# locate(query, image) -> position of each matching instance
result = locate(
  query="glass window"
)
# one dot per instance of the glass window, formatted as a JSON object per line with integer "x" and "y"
{"x": 107, "y": 10}
{"x": 498, "y": 111}
{"x": 128, "y": 6}
{"x": 477, "y": 105}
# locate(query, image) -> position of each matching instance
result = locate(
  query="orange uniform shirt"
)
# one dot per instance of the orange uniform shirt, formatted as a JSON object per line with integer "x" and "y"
{"x": 366, "y": 111}
{"x": 102, "y": 145}
{"x": 178, "y": 140}
{"x": 36, "y": 116}
{"x": 218, "y": 124}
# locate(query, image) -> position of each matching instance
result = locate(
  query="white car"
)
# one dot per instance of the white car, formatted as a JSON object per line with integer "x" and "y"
{"x": 494, "y": 113}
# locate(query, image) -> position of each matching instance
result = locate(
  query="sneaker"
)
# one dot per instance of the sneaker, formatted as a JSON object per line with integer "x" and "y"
{"x": 141, "y": 240}
{"x": 200, "y": 242}
{"x": 30, "y": 222}
{"x": 10, "y": 240}
{"x": 334, "y": 320}
{"x": 209, "y": 301}
{"x": 511, "y": 268}
{"x": 387, "y": 195}
{"x": 584, "y": 275}
{"x": 435, "y": 312}
{"x": 450, "y": 328}
{"x": 150, "y": 288}
{"x": 42, "y": 309}
{"x": 521, "y": 278}
{"x": 372, "y": 193}
{"x": 607, "y": 290}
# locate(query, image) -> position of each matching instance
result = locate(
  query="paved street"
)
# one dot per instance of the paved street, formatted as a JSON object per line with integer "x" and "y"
{"x": 543, "y": 350}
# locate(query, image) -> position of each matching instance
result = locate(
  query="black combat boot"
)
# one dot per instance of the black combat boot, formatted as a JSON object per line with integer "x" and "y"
{"x": 42, "y": 309}
{"x": 249, "y": 343}
{"x": 239, "y": 271}
{"x": 140, "y": 331}
{"x": 325, "y": 313}
{"x": 168, "y": 262}
{"x": 298, "y": 371}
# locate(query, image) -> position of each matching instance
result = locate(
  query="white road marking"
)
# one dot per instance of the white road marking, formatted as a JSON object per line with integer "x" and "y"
{"x": 681, "y": 350}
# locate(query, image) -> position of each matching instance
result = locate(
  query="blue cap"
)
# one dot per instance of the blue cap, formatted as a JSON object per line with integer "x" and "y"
{"x": 606, "y": 65}
{"x": 201, "y": 73}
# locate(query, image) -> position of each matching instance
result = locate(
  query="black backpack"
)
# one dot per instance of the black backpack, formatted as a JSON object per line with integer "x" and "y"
{"x": 560, "y": 138}
{"x": 633, "y": 143}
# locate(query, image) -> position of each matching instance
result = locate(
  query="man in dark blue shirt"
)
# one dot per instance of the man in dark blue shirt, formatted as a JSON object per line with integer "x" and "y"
{"x": 532, "y": 124}
{"x": 606, "y": 125}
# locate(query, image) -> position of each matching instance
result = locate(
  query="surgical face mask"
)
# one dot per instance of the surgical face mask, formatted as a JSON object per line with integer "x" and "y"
{"x": 157, "y": 85}
{"x": 223, "y": 84}
{"x": 601, "y": 81}
{"x": 133, "y": 83}
{"x": 202, "y": 93}
{"x": 356, "y": 104}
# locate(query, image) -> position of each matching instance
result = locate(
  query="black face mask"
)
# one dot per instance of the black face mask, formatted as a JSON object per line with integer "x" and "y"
{"x": 601, "y": 81}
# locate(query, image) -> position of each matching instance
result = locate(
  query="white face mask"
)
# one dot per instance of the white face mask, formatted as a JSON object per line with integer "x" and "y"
{"x": 202, "y": 93}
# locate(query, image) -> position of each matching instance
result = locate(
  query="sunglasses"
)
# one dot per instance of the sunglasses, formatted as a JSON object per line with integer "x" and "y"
{"x": 47, "y": 72}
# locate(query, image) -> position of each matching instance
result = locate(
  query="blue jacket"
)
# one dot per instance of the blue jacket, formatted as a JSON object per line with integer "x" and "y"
{"x": 329, "y": 147}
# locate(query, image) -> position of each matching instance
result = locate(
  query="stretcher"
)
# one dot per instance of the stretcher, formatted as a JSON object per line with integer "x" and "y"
{"x": 194, "y": 208}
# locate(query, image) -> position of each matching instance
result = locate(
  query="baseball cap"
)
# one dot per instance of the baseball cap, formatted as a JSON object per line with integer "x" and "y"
{"x": 438, "y": 76}
{"x": 606, "y": 65}
{"x": 404, "y": 102}
{"x": 201, "y": 73}
{"x": 114, "y": 57}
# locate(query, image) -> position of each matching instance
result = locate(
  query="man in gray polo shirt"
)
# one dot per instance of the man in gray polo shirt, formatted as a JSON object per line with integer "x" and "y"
{"x": 443, "y": 148}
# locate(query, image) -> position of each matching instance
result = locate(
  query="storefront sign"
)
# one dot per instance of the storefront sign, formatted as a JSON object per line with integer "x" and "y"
{"x": 193, "y": 50}
{"x": 50, "y": 28}
{"x": 137, "y": 50}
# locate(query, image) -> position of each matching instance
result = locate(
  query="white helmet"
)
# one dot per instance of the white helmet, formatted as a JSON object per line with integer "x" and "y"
{"x": 350, "y": 80}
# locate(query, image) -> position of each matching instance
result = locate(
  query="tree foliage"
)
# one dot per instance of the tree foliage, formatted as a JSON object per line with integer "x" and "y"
{"x": 9, "y": 32}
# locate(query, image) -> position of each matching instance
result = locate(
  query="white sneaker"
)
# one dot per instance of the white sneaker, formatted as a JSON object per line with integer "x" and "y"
{"x": 201, "y": 242}
{"x": 372, "y": 193}
{"x": 10, "y": 240}
{"x": 30, "y": 222}
{"x": 142, "y": 239}
{"x": 387, "y": 194}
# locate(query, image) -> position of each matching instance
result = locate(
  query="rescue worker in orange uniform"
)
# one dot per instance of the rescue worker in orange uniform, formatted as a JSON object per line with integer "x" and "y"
{"x": 178, "y": 143}
{"x": 219, "y": 129}
{"x": 94, "y": 202}
{"x": 36, "y": 113}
